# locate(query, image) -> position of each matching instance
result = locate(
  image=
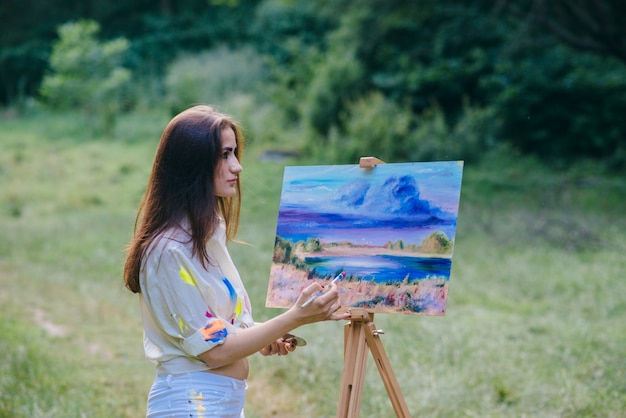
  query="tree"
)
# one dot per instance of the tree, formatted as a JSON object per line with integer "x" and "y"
{"x": 597, "y": 26}
{"x": 87, "y": 74}
{"x": 476, "y": 67}
{"x": 313, "y": 245}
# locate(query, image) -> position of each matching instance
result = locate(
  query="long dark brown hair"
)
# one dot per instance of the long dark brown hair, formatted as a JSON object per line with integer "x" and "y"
{"x": 181, "y": 187}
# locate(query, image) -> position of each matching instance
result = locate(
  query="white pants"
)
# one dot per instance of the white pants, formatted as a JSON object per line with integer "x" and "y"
{"x": 197, "y": 394}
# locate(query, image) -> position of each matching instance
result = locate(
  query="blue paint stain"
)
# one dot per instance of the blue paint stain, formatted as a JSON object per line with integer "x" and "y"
{"x": 231, "y": 290}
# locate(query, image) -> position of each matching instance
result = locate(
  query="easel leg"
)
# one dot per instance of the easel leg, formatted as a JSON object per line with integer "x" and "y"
{"x": 361, "y": 334}
{"x": 386, "y": 372}
{"x": 355, "y": 362}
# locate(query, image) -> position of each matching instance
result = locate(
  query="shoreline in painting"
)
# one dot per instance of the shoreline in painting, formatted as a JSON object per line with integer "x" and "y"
{"x": 344, "y": 250}
{"x": 425, "y": 297}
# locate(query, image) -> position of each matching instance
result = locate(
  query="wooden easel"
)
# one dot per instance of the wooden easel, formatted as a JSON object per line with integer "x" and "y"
{"x": 360, "y": 335}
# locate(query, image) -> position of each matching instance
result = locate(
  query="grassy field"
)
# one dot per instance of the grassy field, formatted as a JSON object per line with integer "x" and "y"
{"x": 536, "y": 319}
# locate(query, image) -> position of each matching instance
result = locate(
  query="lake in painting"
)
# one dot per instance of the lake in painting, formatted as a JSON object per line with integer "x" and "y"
{"x": 390, "y": 228}
{"x": 381, "y": 268}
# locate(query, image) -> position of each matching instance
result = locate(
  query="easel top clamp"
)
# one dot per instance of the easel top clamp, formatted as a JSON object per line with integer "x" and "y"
{"x": 369, "y": 162}
{"x": 360, "y": 335}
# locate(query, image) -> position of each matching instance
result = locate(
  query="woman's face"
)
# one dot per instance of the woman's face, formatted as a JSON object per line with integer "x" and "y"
{"x": 228, "y": 168}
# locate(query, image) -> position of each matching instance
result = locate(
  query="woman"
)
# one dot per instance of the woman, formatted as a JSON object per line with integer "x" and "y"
{"x": 198, "y": 326}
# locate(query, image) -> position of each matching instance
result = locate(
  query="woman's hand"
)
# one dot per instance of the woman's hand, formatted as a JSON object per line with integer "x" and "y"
{"x": 282, "y": 347}
{"x": 264, "y": 335}
{"x": 323, "y": 307}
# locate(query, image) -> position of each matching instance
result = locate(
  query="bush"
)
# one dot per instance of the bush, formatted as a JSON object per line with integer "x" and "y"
{"x": 87, "y": 74}
{"x": 467, "y": 139}
{"x": 336, "y": 83}
{"x": 560, "y": 105}
{"x": 378, "y": 126}
{"x": 216, "y": 77}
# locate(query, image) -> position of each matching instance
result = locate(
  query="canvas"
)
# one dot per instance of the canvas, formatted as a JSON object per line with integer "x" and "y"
{"x": 391, "y": 229}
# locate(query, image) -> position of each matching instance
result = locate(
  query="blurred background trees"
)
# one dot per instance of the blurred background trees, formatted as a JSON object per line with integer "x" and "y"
{"x": 87, "y": 74}
{"x": 405, "y": 81}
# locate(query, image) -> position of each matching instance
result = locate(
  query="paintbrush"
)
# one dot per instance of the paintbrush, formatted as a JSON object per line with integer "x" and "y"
{"x": 321, "y": 292}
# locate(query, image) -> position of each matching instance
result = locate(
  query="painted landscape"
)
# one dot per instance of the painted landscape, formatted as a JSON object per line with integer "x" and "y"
{"x": 390, "y": 228}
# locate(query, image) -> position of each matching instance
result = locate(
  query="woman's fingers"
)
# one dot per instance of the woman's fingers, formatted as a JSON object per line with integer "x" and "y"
{"x": 330, "y": 296}
{"x": 312, "y": 289}
{"x": 279, "y": 347}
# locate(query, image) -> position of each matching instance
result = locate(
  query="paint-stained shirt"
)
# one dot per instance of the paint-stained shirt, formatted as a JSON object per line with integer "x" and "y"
{"x": 187, "y": 308}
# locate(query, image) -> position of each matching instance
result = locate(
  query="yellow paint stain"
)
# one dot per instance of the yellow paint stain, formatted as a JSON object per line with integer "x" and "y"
{"x": 187, "y": 278}
{"x": 200, "y": 409}
{"x": 198, "y": 398}
{"x": 238, "y": 308}
{"x": 181, "y": 324}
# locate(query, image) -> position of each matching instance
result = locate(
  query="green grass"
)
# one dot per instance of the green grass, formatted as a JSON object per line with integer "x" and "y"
{"x": 535, "y": 324}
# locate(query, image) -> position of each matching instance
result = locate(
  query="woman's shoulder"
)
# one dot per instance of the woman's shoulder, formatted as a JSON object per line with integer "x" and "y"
{"x": 165, "y": 254}
{"x": 219, "y": 234}
{"x": 172, "y": 240}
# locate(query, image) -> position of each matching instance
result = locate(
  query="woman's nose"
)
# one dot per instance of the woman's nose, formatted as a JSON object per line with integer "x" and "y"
{"x": 235, "y": 166}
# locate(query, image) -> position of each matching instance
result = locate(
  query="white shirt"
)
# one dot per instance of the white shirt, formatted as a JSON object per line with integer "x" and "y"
{"x": 188, "y": 309}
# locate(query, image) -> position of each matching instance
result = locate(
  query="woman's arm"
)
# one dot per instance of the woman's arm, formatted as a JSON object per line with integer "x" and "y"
{"x": 248, "y": 341}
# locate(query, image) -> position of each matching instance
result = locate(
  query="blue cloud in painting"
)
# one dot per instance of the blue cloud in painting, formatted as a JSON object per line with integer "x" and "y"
{"x": 353, "y": 194}
{"x": 395, "y": 196}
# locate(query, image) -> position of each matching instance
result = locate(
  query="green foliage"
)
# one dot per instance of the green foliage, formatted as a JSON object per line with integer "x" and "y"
{"x": 437, "y": 243}
{"x": 87, "y": 74}
{"x": 157, "y": 31}
{"x": 424, "y": 52}
{"x": 335, "y": 84}
{"x": 282, "y": 250}
{"x": 313, "y": 245}
{"x": 449, "y": 69}
{"x": 467, "y": 139}
{"x": 464, "y": 72}
{"x": 392, "y": 86}
{"x": 286, "y": 251}
{"x": 561, "y": 105}
{"x": 284, "y": 30}
{"x": 375, "y": 125}
{"x": 397, "y": 245}
{"x": 217, "y": 77}
{"x": 292, "y": 37}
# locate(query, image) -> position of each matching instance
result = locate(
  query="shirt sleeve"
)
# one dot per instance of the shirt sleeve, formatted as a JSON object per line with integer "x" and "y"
{"x": 171, "y": 291}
